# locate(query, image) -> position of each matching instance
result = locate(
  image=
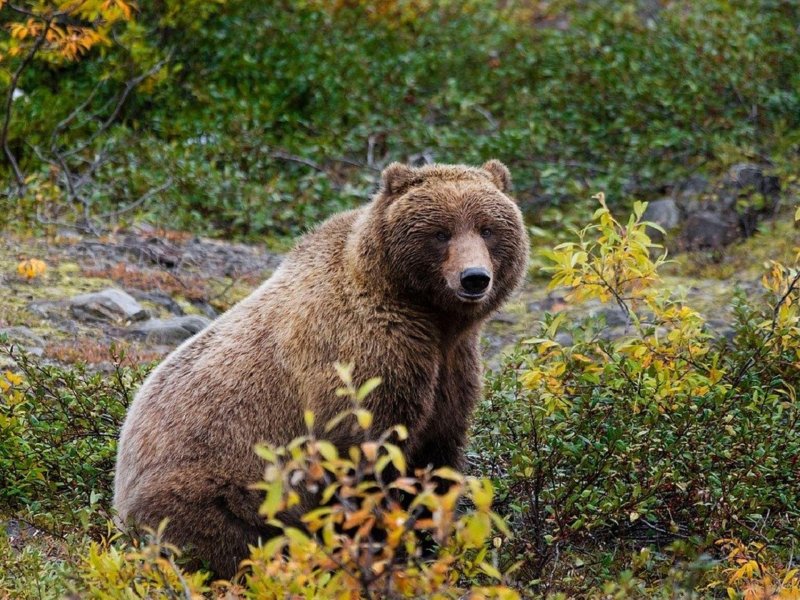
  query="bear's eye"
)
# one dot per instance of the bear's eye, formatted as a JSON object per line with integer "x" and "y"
{"x": 442, "y": 236}
{"x": 486, "y": 233}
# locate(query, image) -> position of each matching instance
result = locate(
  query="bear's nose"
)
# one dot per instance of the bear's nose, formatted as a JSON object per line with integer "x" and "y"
{"x": 475, "y": 280}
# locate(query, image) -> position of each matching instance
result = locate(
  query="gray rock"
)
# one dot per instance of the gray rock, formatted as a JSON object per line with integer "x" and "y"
{"x": 161, "y": 299}
{"x": 613, "y": 333}
{"x": 663, "y": 212}
{"x": 720, "y": 329}
{"x": 693, "y": 187}
{"x": 614, "y": 317}
{"x": 706, "y": 230}
{"x": 206, "y": 309}
{"x": 110, "y": 305}
{"x": 564, "y": 338}
{"x": 22, "y": 336}
{"x": 170, "y": 331}
{"x": 746, "y": 175}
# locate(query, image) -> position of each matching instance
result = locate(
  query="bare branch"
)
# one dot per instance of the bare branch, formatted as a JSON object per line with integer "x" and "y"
{"x": 71, "y": 116}
{"x": 493, "y": 124}
{"x": 26, "y": 12}
{"x": 130, "y": 85}
{"x": 10, "y": 99}
{"x": 281, "y": 155}
{"x": 141, "y": 200}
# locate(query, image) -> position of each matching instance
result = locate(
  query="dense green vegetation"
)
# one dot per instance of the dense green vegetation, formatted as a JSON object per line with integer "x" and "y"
{"x": 661, "y": 462}
{"x": 266, "y": 117}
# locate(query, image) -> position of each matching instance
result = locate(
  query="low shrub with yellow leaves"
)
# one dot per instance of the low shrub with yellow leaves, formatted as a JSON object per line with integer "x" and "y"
{"x": 379, "y": 532}
{"x": 110, "y": 570}
{"x": 666, "y": 435}
{"x": 757, "y": 574}
{"x": 376, "y": 532}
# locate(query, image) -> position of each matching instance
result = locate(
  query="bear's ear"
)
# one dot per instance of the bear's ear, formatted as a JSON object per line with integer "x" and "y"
{"x": 396, "y": 178}
{"x": 499, "y": 174}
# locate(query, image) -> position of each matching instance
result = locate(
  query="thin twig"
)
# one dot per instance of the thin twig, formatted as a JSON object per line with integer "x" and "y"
{"x": 136, "y": 203}
{"x": 281, "y": 155}
{"x": 493, "y": 124}
{"x": 10, "y": 97}
{"x": 130, "y": 85}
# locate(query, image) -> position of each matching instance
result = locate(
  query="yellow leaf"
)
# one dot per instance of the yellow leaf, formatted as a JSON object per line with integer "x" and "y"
{"x": 31, "y": 268}
{"x": 490, "y": 570}
{"x": 364, "y": 418}
{"x": 448, "y": 474}
{"x": 327, "y": 450}
{"x": 482, "y": 493}
{"x": 266, "y": 453}
{"x": 13, "y": 378}
{"x": 396, "y": 455}
{"x": 272, "y": 503}
{"x": 368, "y": 386}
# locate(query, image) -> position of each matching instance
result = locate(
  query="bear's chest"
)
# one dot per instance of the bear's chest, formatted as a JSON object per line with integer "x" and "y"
{"x": 457, "y": 379}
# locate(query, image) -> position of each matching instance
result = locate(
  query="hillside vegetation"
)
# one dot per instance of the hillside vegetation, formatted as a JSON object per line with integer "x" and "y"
{"x": 640, "y": 429}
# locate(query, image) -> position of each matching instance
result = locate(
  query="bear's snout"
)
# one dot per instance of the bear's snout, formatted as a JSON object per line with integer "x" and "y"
{"x": 475, "y": 281}
{"x": 468, "y": 267}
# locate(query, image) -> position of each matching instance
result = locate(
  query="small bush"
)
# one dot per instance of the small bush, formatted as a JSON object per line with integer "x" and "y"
{"x": 379, "y": 532}
{"x": 365, "y": 540}
{"x": 58, "y": 434}
{"x": 661, "y": 437}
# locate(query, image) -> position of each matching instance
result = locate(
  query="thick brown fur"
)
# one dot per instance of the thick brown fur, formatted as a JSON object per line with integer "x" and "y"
{"x": 378, "y": 287}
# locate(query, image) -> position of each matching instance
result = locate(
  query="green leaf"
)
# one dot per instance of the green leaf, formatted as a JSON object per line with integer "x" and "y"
{"x": 368, "y": 386}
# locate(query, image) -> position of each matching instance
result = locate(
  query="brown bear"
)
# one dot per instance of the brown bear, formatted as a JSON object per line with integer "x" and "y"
{"x": 399, "y": 288}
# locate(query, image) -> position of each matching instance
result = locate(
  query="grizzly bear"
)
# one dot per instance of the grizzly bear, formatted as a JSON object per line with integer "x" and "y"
{"x": 399, "y": 288}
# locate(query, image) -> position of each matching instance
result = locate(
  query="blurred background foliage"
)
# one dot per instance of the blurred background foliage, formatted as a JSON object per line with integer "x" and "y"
{"x": 260, "y": 119}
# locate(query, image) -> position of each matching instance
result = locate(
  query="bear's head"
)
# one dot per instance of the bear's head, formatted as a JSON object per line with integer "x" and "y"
{"x": 447, "y": 236}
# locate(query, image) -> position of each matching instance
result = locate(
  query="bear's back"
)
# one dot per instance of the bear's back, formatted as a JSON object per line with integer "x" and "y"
{"x": 210, "y": 393}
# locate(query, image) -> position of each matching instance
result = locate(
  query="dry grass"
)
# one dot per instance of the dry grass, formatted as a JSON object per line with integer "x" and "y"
{"x": 191, "y": 287}
{"x": 92, "y": 352}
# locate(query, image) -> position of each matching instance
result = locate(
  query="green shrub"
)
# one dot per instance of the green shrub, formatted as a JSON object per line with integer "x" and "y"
{"x": 664, "y": 437}
{"x": 58, "y": 439}
{"x": 271, "y": 116}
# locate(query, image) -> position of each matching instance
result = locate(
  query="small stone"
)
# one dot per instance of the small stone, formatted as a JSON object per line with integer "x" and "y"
{"x": 706, "y": 230}
{"x": 161, "y": 299}
{"x": 563, "y": 338}
{"x": 662, "y": 212}
{"x": 613, "y": 333}
{"x": 614, "y": 317}
{"x": 22, "y": 336}
{"x": 111, "y": 305}
{"x": 720, "y": 329}
{"x": 693, "y": 187}
{"x": 746, "y": 175}
{"x": 170, "y": 331}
